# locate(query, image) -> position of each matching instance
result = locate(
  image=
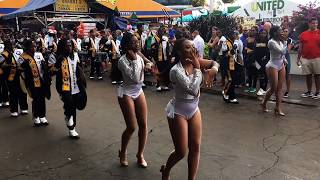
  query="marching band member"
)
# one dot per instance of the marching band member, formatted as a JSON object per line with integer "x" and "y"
{"x": 4, "y": 96}
{"x": 12, "y": 75}
{"x": 36, "y": 81}
{"x": 95, "y": 64}
{"x": 232, "y": 56}
{"x": 131, "y": 98}
{"x": 70, "y": 84}
{"x": 183, "y": 113}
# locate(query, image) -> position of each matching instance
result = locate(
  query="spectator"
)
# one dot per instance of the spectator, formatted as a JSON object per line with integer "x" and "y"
{"x": 198, "y": 43}
{"x": 250, "y": 61}
{"x": 213, "y": 42}
{"x": 309, "y": 57}
{"x": 289, "y": 44}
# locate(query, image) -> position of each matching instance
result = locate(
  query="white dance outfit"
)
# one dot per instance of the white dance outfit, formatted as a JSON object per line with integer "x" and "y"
{"x": 277, "y": 54}
{"x": 133, "y": 77}
{"x": 186, "y": 92}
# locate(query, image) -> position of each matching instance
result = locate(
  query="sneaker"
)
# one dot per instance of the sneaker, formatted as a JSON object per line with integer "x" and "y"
{"x": 24, "y": 112}
{"x": 225, "y": 97}
{"x": 114, "y": 82}
{"x": 159, "y": 89}
{"x": 37, "y": 122}
{"x": 286, "y": 95}
{"x": 165, "y": 88}
{"x": 73, "y": 134}
{"x": 307, "y": 94}
{"x": 91, "y": 77}
{"x": 261, "y": 92}
{"x": 253, "y": 90}
{"x": 1, "y": 104}
{"x": 44, "y": 121}
{"x": 100, "y": 78}
{"x": 6, "y": 104}
{"x": 316, "y": 96}
{"x": 14, "y": 114}
{"x": 234, "y": 101}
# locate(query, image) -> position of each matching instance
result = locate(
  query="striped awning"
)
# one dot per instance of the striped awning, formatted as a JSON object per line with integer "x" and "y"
{"x": 141, "y": 8}
{"x": 9, "y": 6}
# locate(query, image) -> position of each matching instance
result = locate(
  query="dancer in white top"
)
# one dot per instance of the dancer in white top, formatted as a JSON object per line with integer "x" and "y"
{"x": 183, "y": 114}
{"x": 276, "y": 69}
{"x": 131, "y": 98}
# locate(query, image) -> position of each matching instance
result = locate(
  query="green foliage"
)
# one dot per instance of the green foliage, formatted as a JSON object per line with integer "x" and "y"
{"x": 300, "y": 18}
{"x": 228, "y": 1}
{"x": 196, "y": 3}
{"x": 226, "y": 24}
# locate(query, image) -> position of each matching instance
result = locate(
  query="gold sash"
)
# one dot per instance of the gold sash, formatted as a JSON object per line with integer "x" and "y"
{"x": 34, "y": 69}
{"x": 230, "y": 56}
{"x": 65, "y": 75}
{"x": 160, "y": 50}
{"x": 13, "y": 70}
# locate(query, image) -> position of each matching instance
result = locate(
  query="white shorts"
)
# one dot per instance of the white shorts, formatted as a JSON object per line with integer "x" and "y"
{"x": 134, "y": 93}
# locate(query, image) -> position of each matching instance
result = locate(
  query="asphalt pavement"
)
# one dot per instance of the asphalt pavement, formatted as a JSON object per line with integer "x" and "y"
{"x": 239, "y": 141}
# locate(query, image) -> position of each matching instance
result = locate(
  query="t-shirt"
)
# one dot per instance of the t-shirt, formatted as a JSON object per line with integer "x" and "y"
{"x": 199, "y": 45}
{"x": 311, "y": 44}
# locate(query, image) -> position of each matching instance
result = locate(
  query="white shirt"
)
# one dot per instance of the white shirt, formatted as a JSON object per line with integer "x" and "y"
{"x": 224, "y": 46}
{"x": 79, "y": 44}
{"x": 165, "y": 40}
{"x": 73, "y": 74}
{"x": 199, "y": 45}
{"x": 17, "y": 53}
{"x": 39, "y": 58}
{"x": 1, "y": 48}
{"x": 239, "y": 44}
{"x": 97, "y": 41}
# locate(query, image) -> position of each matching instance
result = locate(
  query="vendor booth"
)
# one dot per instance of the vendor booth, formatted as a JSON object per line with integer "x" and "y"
{"x": 48, "y": 12}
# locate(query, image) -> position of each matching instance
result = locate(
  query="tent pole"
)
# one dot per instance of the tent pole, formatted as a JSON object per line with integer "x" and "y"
{"x": 17, "y": 22}
{"x": 45, "y": 20}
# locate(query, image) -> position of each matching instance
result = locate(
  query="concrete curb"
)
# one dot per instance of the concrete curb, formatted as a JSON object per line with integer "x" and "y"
{"x": 250, "y": 96}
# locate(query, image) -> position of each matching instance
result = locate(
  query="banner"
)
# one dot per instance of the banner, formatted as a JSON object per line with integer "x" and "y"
{"x": 72, "y": 5}
{"x": 271, "y": 9}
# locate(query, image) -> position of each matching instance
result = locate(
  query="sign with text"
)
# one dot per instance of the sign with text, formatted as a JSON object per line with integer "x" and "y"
{"x": 260, "y": 9}
{"x": 72, "y": 5}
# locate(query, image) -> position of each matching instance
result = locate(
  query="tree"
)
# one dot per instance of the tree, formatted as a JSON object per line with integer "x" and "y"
{"x": 306, "y": 12}
{"x": 196, "y": 3}
{"x": 226, "y": 24}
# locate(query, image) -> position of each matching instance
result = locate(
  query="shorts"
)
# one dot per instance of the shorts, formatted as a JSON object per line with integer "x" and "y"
{"x": 134, "y": 93}
{"x": 185, "y": 108}
{"x": 310, "y": 66}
